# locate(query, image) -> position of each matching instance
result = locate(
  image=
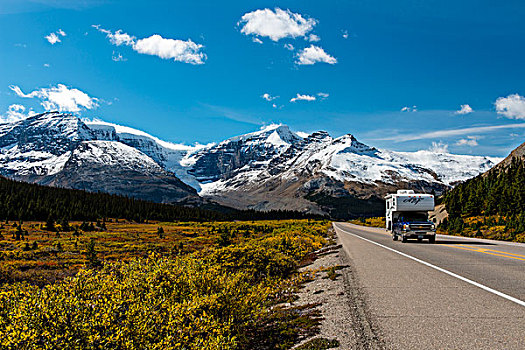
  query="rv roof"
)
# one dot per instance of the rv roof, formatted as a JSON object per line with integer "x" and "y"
{"x": 405, "y": 191}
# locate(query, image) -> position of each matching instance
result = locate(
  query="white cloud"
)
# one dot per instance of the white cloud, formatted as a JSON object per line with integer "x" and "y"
{"x": 276, "y": 24}
{"x": 300, "y": 97}
{"x": 156, "y": 45}
{"x": 257, "y": 40}
{"x": 464, "y": 109}
{"x": 439, "y": 147}
{"x": 178, "y": 50}
{"x": 118, "y": 38}
{"x": 345, "y": 34}
{"x": 269, "y": 97}
{"x": 512, "y": 106}
{"x": 52, "y": 38}
{"x": 60, "y": 97}
{"x": 47, "y": 65}
{"x": 289, "y": 47}
{"x": 314, "y": 38}
{"x": 274, "y": 105}
{"x": 323, "y": 95}
{"x": 469, "y": 141}
{"x": 409, "y": 109}
{"x": 314, "y": 54}
{"x": 117, "y": 57}
{"x": 14, "y": 113}
{"x": 451, "y": 132}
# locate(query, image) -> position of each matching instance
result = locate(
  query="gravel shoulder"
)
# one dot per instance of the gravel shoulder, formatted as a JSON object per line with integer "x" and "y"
{"x": 342, "y": 303}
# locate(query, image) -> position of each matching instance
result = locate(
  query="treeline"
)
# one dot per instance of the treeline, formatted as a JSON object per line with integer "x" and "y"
{"x": 511, "y": 226}
{"x": 25, "y": 201}
{"x": 491, "y": 205}
{"x": 494, "y": 193}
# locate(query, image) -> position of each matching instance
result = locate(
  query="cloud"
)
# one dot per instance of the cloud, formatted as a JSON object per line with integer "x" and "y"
{"x": 314, "y": 54}
{"x": 156, "y": 45}
{"x": 345, "y": 34}
{"x": 269, "y": 97}
{"x": 512, "y": 106}
{"x": 469, "y": 141}
{"x": 117, "y": 57}
{"x": 47, "y": 65}
{"x": 276, "y": 24}
{"x": 118, "y": 38}
{"x": 465, "y": 109}
{"x": 409, "y": 109}
{"x": 451, "y": 132}
{"x": 323, "y": 95}
{"x": 289, "y": 47}
{"x": 178, "y": 50}
{"x": 54, "y": 38}
{"x": 257, "y": 40}
{"x": 14, "y": 113}
{"x": 60, "y": 97}
{"x": 300, "y": 97}
{"x": 439, "y": 147}
{"x": 314, "y": 38}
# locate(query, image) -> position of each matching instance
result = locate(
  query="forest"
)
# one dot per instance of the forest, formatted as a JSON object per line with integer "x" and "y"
{"x": 24, "y": 201}
{"x": 491, "y": 205}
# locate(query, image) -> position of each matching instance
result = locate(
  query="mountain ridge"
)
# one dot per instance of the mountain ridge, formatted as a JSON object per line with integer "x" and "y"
{"x": 270, "y": 169}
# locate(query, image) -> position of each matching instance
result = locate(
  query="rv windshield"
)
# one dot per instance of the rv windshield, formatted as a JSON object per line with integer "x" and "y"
{"x": 411, "y": 217}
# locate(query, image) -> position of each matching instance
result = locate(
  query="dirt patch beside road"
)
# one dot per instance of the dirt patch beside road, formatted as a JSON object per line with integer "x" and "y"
{"x": 342, "y": 303}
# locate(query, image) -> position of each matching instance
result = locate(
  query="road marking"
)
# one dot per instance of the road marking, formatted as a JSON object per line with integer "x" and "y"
{"x": 489, "y": 251}
{"x": 479, "y": 285}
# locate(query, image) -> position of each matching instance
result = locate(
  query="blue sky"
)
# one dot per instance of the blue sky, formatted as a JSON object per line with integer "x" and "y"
{"x": 394, "y": 74}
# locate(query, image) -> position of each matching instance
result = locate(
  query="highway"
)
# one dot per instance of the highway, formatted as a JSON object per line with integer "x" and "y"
{"x": 458, "y": 293}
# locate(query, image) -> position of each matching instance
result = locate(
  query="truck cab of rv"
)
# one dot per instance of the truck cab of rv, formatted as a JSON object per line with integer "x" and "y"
{"x": 407, "y": 216}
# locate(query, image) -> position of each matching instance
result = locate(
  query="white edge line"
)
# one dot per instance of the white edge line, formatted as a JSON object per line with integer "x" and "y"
{"x": 479, "y": 285}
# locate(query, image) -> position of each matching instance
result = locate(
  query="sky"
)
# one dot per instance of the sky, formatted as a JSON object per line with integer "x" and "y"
{"x": 403, "y": 75}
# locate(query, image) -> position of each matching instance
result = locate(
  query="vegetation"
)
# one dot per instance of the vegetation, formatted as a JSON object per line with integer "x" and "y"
{"x": 134, "y": 286}
{"x": 348, "y": 206}
{"x": 491, "y": 205}
{"x": 372, "y": 222}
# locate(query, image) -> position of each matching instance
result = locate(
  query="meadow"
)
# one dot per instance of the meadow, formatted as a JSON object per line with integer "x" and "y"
{"x": 157, "y": 285}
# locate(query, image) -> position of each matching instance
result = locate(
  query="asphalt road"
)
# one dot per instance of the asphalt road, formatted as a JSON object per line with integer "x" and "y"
{"x": 458, "y": 293}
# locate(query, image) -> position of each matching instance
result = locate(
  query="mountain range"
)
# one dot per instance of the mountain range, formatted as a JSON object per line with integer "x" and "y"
{"x": 273, "y": 168}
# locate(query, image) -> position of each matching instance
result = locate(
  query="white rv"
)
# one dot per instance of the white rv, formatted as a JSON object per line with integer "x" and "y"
{"x": 407, "y": 216}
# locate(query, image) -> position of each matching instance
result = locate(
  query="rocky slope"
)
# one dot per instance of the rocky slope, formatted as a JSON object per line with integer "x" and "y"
{"x": 319, "y": 173}
{"x": 61, "y": 150}
{"x": 273, "y": 168}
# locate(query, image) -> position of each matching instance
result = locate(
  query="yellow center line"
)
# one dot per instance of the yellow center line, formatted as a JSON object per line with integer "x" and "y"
{"x": 498, "y": 251}
{"x": 486, "y": 251}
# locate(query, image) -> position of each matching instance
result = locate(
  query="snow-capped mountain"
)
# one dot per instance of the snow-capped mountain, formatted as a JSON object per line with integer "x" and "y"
{"x": 319, "y": 173}
{"x": 273, "y": 168}
{"x": 61, "y": 150}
